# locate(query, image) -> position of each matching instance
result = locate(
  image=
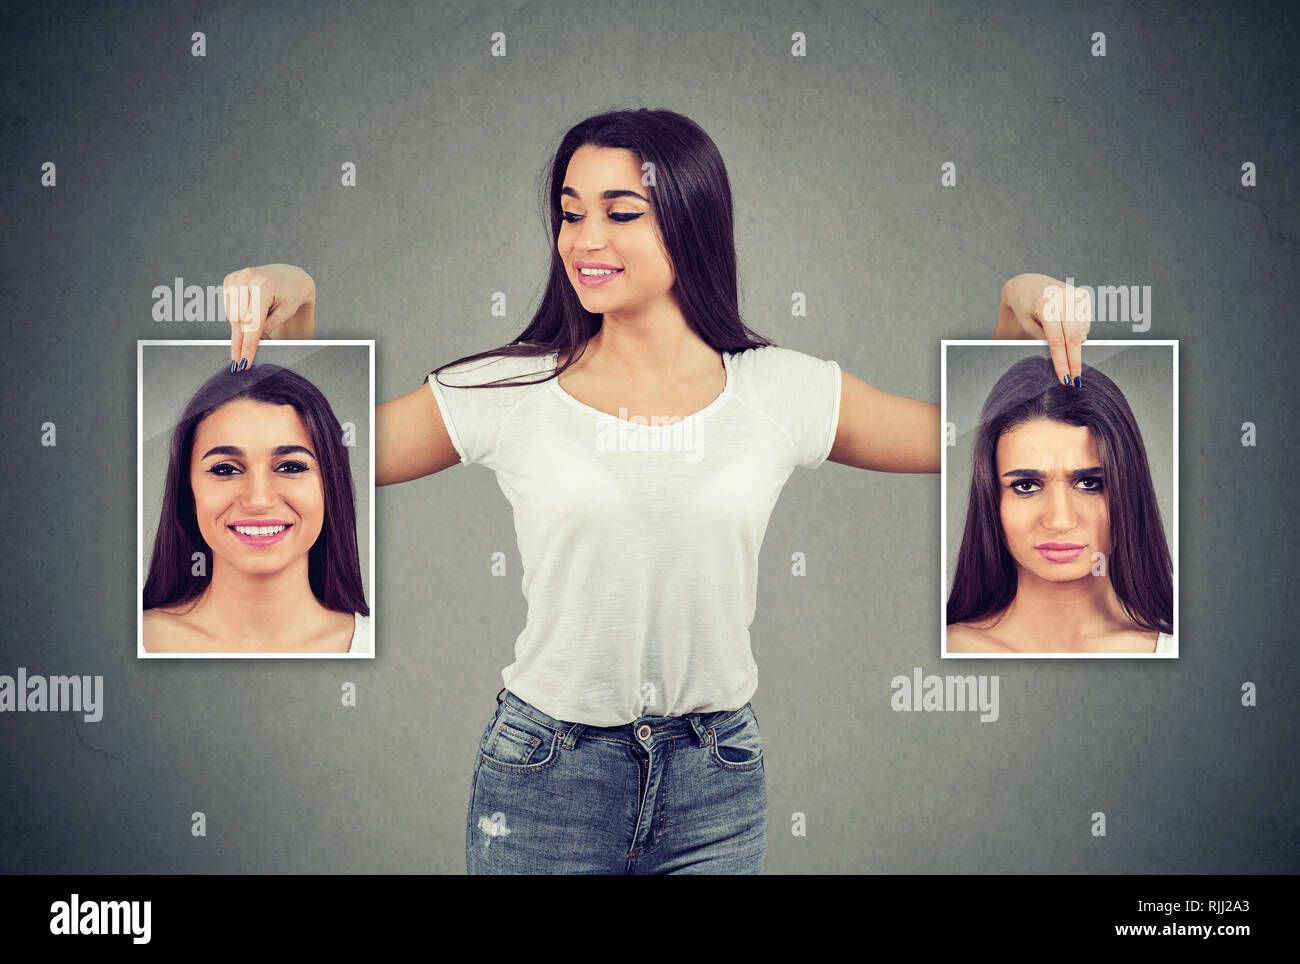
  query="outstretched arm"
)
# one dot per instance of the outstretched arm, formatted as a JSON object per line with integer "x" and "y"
{"x": 888, "y": 433}
{"x": 894, "y": 433}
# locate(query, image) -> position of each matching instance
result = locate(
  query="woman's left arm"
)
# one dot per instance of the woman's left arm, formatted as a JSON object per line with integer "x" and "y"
{"x": 888, "y": 433}
{"x": 894, "y": 433}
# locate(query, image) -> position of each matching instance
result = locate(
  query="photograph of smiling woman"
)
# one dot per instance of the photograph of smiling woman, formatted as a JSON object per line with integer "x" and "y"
{"x": 333, "y": 571}
{"x": 1138, "y": 566}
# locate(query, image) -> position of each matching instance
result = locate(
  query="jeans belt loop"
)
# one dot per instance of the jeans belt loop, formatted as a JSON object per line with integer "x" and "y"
{"x": 700, "y": 733}
{"x": 571, "y": 735}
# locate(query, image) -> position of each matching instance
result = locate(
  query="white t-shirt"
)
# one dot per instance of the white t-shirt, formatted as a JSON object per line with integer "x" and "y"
{"x": 360, "y": 634}
{"x": 639, "y": 542}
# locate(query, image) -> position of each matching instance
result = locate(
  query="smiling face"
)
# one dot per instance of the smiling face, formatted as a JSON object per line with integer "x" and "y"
{"x": 607, "y": 221}
{"x": 254, "y": 468}
{"x": 1053, "y": 503}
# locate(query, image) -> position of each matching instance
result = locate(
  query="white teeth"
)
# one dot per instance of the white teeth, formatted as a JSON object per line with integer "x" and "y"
{"x": 594, "y": 272}
{"x": 259, "y": 530}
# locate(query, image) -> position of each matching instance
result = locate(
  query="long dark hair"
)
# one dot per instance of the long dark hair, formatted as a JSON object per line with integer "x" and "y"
{"x": 333, "y": 566}
{"x": 691, "y": 200}
{"x": 1139, "y": 567}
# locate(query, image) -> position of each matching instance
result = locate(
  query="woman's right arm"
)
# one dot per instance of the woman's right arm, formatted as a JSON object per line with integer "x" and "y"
{"x": 411, "y": 440}
{"x": 278, "y": 301}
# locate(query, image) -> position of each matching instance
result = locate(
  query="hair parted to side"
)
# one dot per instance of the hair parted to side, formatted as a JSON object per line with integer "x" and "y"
{"x": 691, "y": 200}
{"x": 1139, "y": 567}
{"x": 333, "y": 566}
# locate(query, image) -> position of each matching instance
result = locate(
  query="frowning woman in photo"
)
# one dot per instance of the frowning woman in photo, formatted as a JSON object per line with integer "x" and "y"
{"x": 1063, "y": 549}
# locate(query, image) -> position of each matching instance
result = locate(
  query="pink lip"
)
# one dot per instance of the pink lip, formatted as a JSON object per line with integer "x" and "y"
{"x": 1059, "y": 551}
{"x": 261, "y": 540}
{"x": 588, "y": 282}
{"x": 261, "y": 522}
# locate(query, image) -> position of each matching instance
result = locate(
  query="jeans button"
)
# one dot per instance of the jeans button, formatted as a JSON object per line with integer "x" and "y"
{"x": 643, "y": 732}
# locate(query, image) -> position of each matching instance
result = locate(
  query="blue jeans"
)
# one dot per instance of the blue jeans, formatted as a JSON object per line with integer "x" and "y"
{"x": 661, "y": 795}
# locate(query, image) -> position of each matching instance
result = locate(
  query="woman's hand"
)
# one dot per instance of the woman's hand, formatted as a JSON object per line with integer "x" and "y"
{"x": 275, "y": 301}
{"x": 1036, "y": 306}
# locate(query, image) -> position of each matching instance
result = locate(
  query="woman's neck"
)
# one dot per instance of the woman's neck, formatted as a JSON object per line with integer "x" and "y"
{"x": 664, "y": 351}
{"x": 273, "y": 612}
{"x": 1050, "y": 616}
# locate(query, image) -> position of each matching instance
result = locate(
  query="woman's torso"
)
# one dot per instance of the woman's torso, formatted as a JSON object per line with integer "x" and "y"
{"x": 639, "y": 509}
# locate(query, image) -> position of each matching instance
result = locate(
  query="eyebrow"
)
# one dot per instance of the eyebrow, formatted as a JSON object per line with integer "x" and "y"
{"x": 235, "y": 450}
{"x": 605, "y": 195}
{"x": 1035, "y": 474}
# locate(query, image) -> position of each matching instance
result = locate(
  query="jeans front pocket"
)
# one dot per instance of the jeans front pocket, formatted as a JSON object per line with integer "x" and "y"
{"x": 736, "y": 743}
{"x": 516, "y": 743}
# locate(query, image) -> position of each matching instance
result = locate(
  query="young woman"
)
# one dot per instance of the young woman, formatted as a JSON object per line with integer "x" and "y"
{"x": 1063, "y": 549}
{"x": 642, "y": 433}
{"x": 258, "y": 484}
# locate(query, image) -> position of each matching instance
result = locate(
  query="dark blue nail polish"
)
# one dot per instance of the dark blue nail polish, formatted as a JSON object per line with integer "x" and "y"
{"x": 233, "y": 366}
{"x": 1066, "y": 381}
{"x": 1077, "y": 381}
{"x": 243, "y": 364}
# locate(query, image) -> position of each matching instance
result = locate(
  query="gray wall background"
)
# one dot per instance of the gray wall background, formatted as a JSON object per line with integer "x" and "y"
{"x": 1117, "y": 170}
{"x": 1144, "y": 373}
{"x": 173, "y": 373}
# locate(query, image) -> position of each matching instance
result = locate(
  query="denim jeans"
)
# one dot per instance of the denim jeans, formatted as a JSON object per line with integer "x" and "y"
{"x": 661, "y": 795}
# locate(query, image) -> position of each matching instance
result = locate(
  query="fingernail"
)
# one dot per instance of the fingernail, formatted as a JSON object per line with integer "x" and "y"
{"x": 233, "y": 366}
{"x": 1077, "y": 381}
{"x": 243, "y": 364}
{"x": 1066, "y": 381}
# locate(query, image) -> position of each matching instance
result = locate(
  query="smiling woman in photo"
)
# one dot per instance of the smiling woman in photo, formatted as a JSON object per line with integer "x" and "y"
{"x": 256, "y": 548}
{"x": 1063, "y": 550}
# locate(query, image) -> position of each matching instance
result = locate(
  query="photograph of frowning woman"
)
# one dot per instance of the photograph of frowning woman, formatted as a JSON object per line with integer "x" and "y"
{"x": 1064, "y": 549}
{"x": 258, "y": 482}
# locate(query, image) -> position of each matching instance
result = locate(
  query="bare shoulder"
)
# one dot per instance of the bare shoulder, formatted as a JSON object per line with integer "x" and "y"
{"x": 334, "y": 635}
{"x": 1135, "y": 639}
{"x": 168, "y": 631}
{"x": 974, "y": 638}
